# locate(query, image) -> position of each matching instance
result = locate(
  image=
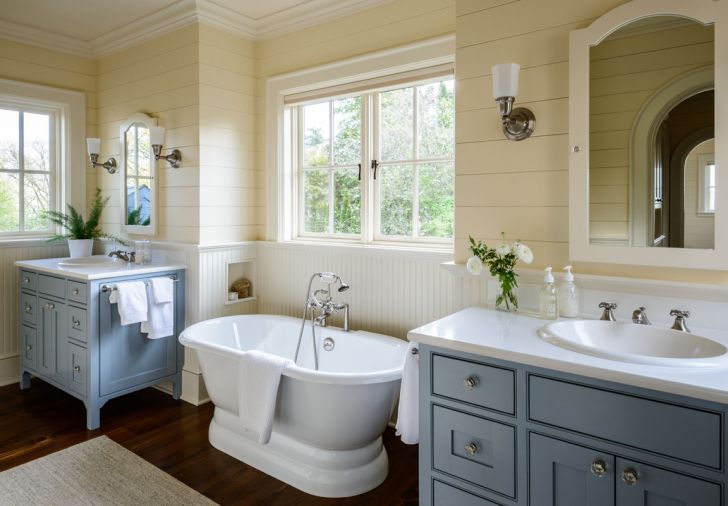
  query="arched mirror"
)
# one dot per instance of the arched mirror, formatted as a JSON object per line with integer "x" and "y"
{"x": 138, "y": 188}
{"x": 644, "y": 131}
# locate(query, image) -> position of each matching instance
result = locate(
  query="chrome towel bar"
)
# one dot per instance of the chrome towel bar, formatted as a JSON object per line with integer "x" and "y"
{"x": 109, "y": 288}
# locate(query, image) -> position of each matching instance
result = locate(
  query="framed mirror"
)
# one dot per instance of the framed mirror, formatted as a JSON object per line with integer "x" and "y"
{"x": 138, "y": 173}
{"x": 647, "y": 110}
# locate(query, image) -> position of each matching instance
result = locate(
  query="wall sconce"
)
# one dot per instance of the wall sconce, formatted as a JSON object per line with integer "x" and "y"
{"x": 519, "y": 123}
{"x": 157, "y": 138}
{"x": 93, "y": 146}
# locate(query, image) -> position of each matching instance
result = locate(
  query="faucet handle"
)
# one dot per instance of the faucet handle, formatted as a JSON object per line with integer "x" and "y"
{"x": 680, "y": 313}
{"x": 679, "y": 323}
{"x": 608, "y": 305}
{"x": 608, "y": 313}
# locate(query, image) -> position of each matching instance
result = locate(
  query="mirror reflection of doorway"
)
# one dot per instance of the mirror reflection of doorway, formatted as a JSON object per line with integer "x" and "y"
{"x": 678, "y": 187}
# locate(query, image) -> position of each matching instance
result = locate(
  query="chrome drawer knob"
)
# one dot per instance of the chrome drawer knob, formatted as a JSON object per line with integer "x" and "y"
{"x": 28, "y": 347}
{"x": 50, "y": 306}
{"x": 599, "y": 468}
{"x": 26, "y": 281}
{"x": 471, "y": 449}
{"x": 630, "y": 477}
{"x": 470, "y": 382}
{"x": 76, "y": 368}
{"x": 28, "y": 308}
{"x": 76, "y": 322}
{"x": 75, "y": 291}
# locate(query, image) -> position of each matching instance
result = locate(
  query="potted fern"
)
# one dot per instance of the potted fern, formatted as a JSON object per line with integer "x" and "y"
{"x": 81, "y": 233}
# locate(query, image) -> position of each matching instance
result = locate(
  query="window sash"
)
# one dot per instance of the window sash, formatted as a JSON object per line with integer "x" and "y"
{"x": 369, "y": 187}
{"x": 52, "y": 172}
{"x": 704, "y": 186}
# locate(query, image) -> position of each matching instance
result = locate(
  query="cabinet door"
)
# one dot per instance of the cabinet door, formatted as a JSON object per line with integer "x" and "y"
{"x": 51, "y": 340}
{"x": 642, "y": 485}
{"x": 565, "y": 474}
{"x": 127, "y": 357}
{"x": 28, "y": 346}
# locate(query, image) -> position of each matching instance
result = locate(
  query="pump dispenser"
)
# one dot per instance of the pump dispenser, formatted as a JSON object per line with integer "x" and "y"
{"x": 548, "y": 303}
{"x": 568, "y": 295}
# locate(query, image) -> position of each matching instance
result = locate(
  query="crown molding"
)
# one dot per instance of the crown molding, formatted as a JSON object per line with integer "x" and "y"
{"x": 184, "y": 13}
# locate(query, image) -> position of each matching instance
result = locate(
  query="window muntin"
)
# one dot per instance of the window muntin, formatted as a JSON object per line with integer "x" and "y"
{"x": 406, "y": 195}
{"x": 27, "y": 169}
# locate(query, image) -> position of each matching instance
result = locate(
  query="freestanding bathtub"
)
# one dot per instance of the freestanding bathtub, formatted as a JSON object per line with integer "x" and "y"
{"x": 327, "y": 431}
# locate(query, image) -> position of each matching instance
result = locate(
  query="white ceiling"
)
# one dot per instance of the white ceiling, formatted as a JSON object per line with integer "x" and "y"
{"x": 98, "y": 27}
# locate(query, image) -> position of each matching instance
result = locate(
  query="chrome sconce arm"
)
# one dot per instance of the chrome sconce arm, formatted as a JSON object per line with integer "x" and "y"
{"x": 93, "y": 146}
{"x": 518, "y": 123}
{"x": 174, "y": 158}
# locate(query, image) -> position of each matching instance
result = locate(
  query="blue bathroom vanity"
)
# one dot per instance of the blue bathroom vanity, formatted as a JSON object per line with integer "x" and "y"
{"x": 71, "y": 336}
{"x": 509, "y": 419}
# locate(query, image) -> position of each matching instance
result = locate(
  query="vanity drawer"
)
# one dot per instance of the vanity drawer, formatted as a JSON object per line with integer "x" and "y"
{"x": 77, "y": 292}
{"x": 77, "y": 368}
{"x": 76, "y": 323}
{"x": 474, "y": 449}
{"x": 28, "y": 338}
{"x": 52, "y": 286}
{"x": 479, "y": 384}
{"x": 28, "y": 307}
{"x": 28, "y": 280}
{"x": 688, "y": 434}
{"x": 445, "y": 495}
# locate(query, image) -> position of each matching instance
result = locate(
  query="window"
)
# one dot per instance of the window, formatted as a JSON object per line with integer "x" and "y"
{"x": 27, "y": 168}
{"x": 706, "y": 184}
{"x": 376, "y": 165}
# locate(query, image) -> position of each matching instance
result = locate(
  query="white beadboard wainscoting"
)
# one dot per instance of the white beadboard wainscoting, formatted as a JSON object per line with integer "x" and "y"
{"x": 11, "y": 251}
{"x": 392, "y": 290}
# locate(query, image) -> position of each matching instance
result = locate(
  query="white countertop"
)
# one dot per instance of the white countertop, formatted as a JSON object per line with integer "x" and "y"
{"x": 513, "y": 337}
{"x": 121, "y": 268}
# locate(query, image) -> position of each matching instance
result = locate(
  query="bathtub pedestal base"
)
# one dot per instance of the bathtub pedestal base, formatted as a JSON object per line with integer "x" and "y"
{"x": 315, "y": 471}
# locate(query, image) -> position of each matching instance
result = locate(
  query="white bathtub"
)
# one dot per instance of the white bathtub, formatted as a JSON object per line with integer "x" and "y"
{"x": 328, "y": 424}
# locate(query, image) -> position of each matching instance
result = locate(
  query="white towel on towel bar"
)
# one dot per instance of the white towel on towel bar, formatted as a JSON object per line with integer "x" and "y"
{"x": 131, "y": 300}
{"x": 408, "y": 419}
{"x": 258, "y": 379}
{"x": 160, "y": 320}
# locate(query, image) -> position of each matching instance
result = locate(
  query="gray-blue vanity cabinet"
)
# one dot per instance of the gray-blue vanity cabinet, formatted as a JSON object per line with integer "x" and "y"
{"x": 71, "y": 337}
{"x": 568, "y": 441}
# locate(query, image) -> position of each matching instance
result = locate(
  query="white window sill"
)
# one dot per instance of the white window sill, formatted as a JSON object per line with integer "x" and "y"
{"x": 443, "y": 251}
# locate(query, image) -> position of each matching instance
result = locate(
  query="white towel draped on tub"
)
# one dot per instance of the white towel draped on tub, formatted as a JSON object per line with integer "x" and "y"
{"x": 408, "y": 420}
{"x": 131, "y": 300}
{"x": 259, "y": 377}
{"x": 160, "y": 320}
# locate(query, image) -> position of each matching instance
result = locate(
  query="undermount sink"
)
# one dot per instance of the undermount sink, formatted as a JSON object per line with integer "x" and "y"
{"x": 94, "y": 262}
{"x": 641, "y": 344}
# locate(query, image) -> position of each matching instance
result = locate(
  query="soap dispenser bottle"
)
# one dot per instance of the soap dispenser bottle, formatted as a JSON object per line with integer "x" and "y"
{"x": 568, "y": 295}
{"x": 548, "y": 302}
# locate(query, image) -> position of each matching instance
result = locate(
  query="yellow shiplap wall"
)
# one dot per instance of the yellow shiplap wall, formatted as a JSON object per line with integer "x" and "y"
{"x": 625, "y": 73}
{"x": 159, "y": 78}
{"x": 231, "y": 184}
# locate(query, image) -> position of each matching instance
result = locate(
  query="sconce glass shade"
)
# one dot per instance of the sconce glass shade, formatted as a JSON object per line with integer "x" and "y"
{"x": 156, "y": 135}
{"x": 93, "y": 146}
{"x": 505, "y": 79}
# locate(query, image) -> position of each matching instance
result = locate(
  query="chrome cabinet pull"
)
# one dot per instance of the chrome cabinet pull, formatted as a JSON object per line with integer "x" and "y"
{"x": 26, "y": 280}
{"x": 599, "y": 468}
{"x": 75, "y": 291}
{"x": 470, "y": 382}
{"x": 50, "y": 306}
{"x": 28, "y": 308}
{"x": 29, "y": 347}
{"x": 76, "y": 322}
{"x": 76, "y": 368}
{"x": 471, "y": 449}
{"x": 630, "y": 476}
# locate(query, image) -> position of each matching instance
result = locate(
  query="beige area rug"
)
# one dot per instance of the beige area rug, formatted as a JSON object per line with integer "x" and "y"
{"x": 96, "y": 472}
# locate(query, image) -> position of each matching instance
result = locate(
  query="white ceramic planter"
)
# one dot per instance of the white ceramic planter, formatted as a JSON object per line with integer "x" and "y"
{"x": 79, "y": 248}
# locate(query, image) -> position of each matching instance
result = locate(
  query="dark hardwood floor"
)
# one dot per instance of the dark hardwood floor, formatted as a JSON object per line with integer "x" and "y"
{"x": 172, "y": 435}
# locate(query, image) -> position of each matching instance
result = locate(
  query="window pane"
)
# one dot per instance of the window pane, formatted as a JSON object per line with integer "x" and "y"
{"x": 435, "y": 120}
{"x": 347, "y": 131}
{"x": 347, "y": 201}
{"x": 36, "y": 201}
{"x": 36, "y": 142}
{"x": 436, "y": 200}
{"x": 316, "y": 135}
{"x": 316, "y": 201}
{"x": 396, "y": 126}
{"x": 711, "y": 174}
{"x": 9, "y": 204}
{"x": 9, "y": 140}
{"x": 131, "y": 149}
{"x": 711, "y": 200}
{"x": 144, "y": 156}
{"x": 395, "y": 196}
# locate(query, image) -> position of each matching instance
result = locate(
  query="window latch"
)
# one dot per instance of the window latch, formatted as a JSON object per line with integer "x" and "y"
{"x": 375, "y": 166}
{"x": 359, "y": 172}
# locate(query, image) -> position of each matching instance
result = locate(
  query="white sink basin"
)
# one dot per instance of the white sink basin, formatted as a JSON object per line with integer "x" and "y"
{"x": 642, "y": 344}
{"x": 95, "y": 262}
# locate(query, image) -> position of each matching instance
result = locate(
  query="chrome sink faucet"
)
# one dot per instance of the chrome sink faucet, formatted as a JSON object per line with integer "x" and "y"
{"x": 608, "y": 313}
{"x": 639, "y": 316}
{"x": 127, "y": 256}
{"x": 680, "y": 317}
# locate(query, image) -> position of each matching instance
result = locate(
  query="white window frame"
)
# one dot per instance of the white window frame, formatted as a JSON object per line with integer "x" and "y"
{"x": 704, "y": 161}
{"x": 405, "y": 61}
{"x": 68, "y": 154}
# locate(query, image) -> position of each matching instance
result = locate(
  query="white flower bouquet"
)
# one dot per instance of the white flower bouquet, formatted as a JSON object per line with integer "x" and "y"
{"x": 501, "y": 262}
